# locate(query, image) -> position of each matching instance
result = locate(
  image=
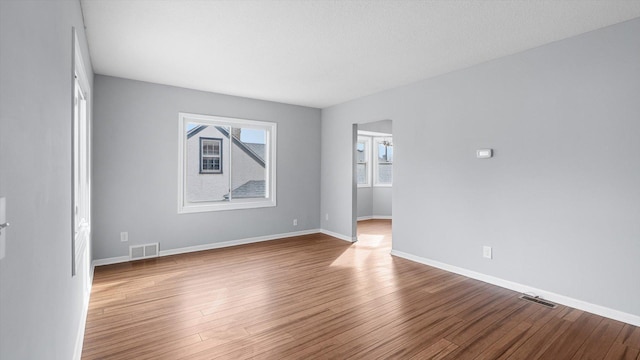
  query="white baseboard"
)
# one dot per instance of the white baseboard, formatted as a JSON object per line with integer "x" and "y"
{"x": 210, "y": 246}
{"x": 77, "y": 353}
{"x": 109, "y": 261}
{"x": 224, "y": 244}
{"x": 376, "y": 217}
{"x": 339, "y": 236}
{"x": 560, "y": 299}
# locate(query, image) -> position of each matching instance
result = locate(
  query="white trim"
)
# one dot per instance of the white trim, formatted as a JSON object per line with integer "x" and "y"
{"x": 373, "y": 133}
{"x": 375, "y": 217}
{"x": 547, "y": 295}
{"x": 77, "y": 352}
{"x": 109, "y": 261}
{"x": 81, "y": 79}
{"x": 210, "y": 246}
{"x": 224, "y": 244}
{"x": 339, "y": 236}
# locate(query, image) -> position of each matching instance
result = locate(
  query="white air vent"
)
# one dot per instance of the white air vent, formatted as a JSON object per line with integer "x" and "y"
{"x": 143, "y": 251}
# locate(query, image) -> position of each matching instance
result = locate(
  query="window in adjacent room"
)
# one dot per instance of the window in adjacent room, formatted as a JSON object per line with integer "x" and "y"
{"x": 225, "y": 163}
{"x": 363, "y": 156}
{"x": 383, "y": 164}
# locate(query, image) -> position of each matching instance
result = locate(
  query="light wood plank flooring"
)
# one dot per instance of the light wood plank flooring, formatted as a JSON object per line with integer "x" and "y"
{"x": 318, "y": 297}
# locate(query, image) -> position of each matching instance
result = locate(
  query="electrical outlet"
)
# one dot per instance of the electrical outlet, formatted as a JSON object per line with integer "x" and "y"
{"x": 487, "y": 252}
{"x": 124, "y": 236}
{"x": 326, "y": 217}
{"x": 3, "y": 226}
{"x": 295, "y": 222}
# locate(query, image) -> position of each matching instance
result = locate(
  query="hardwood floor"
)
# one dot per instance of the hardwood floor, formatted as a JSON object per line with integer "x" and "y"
{"x": 318, "y": 297}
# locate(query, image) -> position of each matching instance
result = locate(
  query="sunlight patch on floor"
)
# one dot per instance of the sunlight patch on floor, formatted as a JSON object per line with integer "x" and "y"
{"x": 371, "y": 239}
{"x": 352, "y": 258}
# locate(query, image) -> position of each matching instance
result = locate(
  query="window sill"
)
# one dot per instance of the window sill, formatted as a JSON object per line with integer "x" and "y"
{"x": 224, "y": 206}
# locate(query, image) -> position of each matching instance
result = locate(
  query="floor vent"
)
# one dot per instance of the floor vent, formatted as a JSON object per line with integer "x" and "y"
{"x": 538, "y": 300}
{"x": 143, "y": 251}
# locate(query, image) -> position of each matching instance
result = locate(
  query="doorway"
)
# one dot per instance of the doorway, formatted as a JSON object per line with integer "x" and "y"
{"x": 373, "y": 174}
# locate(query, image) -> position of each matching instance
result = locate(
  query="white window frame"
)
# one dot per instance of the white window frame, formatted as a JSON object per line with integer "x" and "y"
{"x": 367, "y": 156}
{"x": 376, "y": 141}
{"x": 184, "y": 206}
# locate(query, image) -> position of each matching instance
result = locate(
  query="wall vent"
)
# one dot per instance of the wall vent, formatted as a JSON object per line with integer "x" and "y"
{"x": 538, "y": 300}
{"x": 143, "y": 251}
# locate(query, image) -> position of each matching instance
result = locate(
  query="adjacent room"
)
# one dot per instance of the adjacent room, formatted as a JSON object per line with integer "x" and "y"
{"x": 354, "y": 179}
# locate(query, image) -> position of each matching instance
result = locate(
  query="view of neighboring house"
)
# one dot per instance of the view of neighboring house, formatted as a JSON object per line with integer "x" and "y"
{"x": 210, "y": 174}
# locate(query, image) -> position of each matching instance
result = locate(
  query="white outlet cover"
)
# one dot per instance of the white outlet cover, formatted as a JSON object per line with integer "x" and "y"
{"x": 124, "y": 236}
{"x": 487, "y": 252}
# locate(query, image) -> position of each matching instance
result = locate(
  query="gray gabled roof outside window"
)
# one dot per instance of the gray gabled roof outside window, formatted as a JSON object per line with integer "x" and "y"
{"x": 250, "y": 189}
{"x": 255, "y": 151}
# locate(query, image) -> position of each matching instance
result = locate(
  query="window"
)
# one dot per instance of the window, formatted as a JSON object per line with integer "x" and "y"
{"x": 363, "y": 156}
{"x": 225, "y": 163}
{"x": 383, "y": 171}
{"x": 210, "y": 158}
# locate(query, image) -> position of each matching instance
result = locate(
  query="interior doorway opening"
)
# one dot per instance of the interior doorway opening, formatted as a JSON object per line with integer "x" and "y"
{"x": 373, "y": 177}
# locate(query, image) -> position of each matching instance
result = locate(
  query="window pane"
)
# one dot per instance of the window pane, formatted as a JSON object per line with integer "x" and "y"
{"x": 207, "y": 177}
{"x": 211, "y": 164}
{"x": 249, "y": 163}
{"x": 362, "y": 173}
{"x": 361, "y": 153}
{"x": 385, "y": 153}
{"x": 385, "y": 173}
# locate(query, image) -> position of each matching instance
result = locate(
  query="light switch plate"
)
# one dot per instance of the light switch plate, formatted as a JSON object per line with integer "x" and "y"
{"x": 486, "y": 252}
{"x": 484, "y": 153}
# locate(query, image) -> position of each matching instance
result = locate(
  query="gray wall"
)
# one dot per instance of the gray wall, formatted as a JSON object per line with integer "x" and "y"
{"x": 381, "y": 201}
{"x": 40, "y": 303}
{"x": 382, "y": 126}
{"x": 375, "y": 201}
{"x": 136, "y": 168}
{"x": 559, "y": 202}
{"x": 365, "y": 202}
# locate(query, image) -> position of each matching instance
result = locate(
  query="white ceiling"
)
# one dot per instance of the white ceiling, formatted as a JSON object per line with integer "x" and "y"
{"x": 321, "y": 52}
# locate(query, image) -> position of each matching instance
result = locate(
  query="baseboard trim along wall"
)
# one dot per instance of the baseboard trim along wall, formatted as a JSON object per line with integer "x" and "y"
{"x": 375, "y": 217}
{"x": 210, "y": 246}
{"x": 339, "y": 236}
{"x": 77, "y": 353}
{"x": 560, "y": 299}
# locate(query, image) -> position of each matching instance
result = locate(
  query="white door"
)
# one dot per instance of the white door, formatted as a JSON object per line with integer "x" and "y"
{"x": 81, "y": 177}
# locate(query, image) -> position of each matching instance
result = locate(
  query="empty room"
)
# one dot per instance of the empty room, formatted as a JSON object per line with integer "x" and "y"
{"x": 319, "y": 179}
